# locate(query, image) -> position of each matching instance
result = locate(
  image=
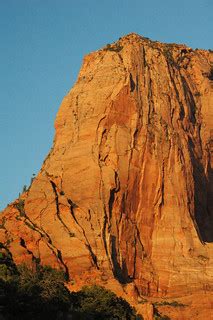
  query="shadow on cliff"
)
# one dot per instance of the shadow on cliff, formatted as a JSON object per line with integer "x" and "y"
{"x": 203, "y": 198}
{"x": 120, "y": 273}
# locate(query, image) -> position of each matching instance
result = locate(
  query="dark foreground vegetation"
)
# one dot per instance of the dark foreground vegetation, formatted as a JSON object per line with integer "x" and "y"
{"x": 41, "y": 294}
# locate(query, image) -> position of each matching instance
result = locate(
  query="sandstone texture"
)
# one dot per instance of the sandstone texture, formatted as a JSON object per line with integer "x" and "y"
{"x": 124, "y": 199}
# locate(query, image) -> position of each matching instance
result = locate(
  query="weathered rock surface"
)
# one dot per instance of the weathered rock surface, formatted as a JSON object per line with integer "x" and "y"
{"x": 125, "y": 196}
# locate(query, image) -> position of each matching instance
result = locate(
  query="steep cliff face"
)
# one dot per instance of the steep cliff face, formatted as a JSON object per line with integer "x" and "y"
{"x": 126, "y": 192}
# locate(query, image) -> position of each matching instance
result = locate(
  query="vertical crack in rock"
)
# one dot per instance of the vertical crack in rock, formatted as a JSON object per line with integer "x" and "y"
{"x": 117, "y": 270}
{"x": 54, "y": 187}
{"x": 105, "y": 223}
{"x": 144, "y": 58}
{"x": 134, "y": 257}
{"x": 189, "y": 100}
{"x": 107, "y": 211}
{"x": 182, "y": 112}
{"x": 87, "y": 244}
{"x": 162, "y": 184}
{"x": 150, "y": 101}
{"x": 113, "y": 191}
{"x": 132, "y": 83}
{"x": 59, "y": 256}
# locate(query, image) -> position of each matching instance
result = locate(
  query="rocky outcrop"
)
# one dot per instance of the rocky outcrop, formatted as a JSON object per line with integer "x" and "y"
{"x": 125, "y": 196}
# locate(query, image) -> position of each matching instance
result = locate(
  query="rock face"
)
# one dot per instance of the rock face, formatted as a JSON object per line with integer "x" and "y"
{"x": 125, "y": 195}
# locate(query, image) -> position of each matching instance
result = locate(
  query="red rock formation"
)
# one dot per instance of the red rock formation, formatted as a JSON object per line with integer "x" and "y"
{"x": 125, "y": 196}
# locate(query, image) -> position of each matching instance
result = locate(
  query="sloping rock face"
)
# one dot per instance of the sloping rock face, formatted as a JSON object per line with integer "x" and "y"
{"x": 125, "y": 195}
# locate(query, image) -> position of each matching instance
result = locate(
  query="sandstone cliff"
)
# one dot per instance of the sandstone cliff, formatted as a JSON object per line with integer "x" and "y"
{"x": 125, "y": 196}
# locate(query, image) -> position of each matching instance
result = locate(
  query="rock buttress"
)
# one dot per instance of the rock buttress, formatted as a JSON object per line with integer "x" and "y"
{"x": 126, "y": 190}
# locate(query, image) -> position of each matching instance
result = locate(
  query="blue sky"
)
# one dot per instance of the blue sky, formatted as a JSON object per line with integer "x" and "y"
{"x": 41, "y": 48}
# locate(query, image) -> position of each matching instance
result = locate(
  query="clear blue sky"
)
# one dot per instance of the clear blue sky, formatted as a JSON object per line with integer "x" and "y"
{"x": 42, "y": 43}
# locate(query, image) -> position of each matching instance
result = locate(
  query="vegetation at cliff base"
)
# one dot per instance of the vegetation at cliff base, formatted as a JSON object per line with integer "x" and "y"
{"x": 41, "y": 294}
{"x": 29, "y": 294}
{"x": 99, "y": 303}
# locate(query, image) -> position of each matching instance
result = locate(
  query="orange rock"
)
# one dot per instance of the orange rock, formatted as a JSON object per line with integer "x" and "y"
{"x": 126, "y": 192}
{"x": 146, "y": 310}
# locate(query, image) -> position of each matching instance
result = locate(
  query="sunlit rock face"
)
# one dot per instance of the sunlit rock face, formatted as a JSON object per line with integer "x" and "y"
{"x": 125, "y": 196}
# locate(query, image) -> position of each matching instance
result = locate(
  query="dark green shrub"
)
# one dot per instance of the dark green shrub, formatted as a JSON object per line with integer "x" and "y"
{"x": 39, "y": 294}
{"x": 7, "y": 267}
{"x": 95, "y": 302}
{"x": 113, "y": 47}
{"x": 169, "y": 303}
{"x": 3, "y": 223}
{"x": 24, "y": 188}
{"x": 20, "y": 207}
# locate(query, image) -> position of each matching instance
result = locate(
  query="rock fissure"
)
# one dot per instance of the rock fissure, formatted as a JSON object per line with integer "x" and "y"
{"x": 87, "y": 244}
{"x": 35, "y": 260}
{"x": 54, "y": 187}
{"x": 49, "y": 242}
